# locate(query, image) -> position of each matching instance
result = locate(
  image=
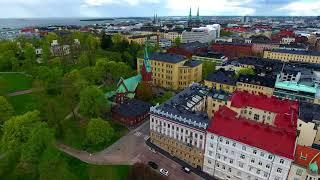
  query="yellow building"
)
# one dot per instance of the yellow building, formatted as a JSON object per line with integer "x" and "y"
{"x": 290, "y": 55}
{"x": 215, "y": 100}
{"x": 173, "y": 71}
{"x": 256, "y": 84}
{"x": 222, "y": 80}
{"x": 141, "y": 39}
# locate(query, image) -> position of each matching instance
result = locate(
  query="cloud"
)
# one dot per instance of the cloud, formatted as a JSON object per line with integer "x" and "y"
{"x": 302, "y": 8}
{"x": 211, "y": 7}
{"x": 88, "y": 3}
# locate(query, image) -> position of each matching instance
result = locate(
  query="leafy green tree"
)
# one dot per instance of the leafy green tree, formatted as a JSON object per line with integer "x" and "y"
{"x": 92, "y": 43}
{"x": 92, "y": 102}
{"x": 116, "y": 39}
{"x": 51, "y": 36}
{"x": 29, "y": 56}
{"x": 177, "y": 41}
{"x": 6, "y": 110}
{"x": 245, "y": 71}
{"x": 45, "y": 52}
{"x": 99, "y": 132}
{"x": 225, "y": 33}
{"x": 16, "y": 131}
{"x": 89, "y": 74}
{"x": 73, "y": 83}
{"x": 207, "y": 68}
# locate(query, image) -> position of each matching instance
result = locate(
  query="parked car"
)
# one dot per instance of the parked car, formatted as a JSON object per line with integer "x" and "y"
{"x": 185, "y": 169}
{"x": 152, "y": 150}
{"x": 153, "y": 165}
{"x": 164, "y": 172}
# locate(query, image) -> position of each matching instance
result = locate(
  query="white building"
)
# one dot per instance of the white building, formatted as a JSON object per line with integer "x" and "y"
{"x": 237, "y": 148}
{"x": 287, "y": 40}
{"x": 205, "y": 34}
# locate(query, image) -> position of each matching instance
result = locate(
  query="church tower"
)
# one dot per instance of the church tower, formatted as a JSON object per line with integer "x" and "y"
{"x": 190, "y": 18}
{"x": 146, "y": 70}
{"x": 198, "y": 20}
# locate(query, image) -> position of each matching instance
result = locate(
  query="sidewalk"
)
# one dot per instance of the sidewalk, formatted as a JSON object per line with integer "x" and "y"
{"x": 199, "y": 172}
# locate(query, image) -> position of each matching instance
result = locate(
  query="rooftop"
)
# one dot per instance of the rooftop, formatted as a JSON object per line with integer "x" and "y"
{"x": 132, "y": 108}
{"x": 257, "y": 80}
{"x": 191, "y": 47}
{"x": 309, "y": 112}
{"x": 293, "y": 86}
{"x": 192, "y": 63}
{"x": 224, "y": 77}
{"x": 182, "y": 107}
{"x": 226, "y": 123}
{"x": 284, "y": 109}
{"x": 166, "y": 57}
{"x": 304, "y": 156}
{"x": 220, "y": 95}
{"x": 311, "y": 53}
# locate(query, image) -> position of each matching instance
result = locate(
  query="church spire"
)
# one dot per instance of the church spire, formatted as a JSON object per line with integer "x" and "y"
{"x": 190, "y": 15}
{"x": 146, "y": 70}
{"x": 198, "y": 14}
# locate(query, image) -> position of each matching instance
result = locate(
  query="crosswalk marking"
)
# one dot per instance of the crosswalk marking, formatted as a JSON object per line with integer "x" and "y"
{"x": 146, "y": 137}
{"x": 137, "y": 133}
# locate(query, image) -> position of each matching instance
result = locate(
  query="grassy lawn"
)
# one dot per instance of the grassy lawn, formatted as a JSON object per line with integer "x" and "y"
{"x": 14, "y": 82}
{"x": 74, "y": 133}
{"x": 85, "y": 171}
{"x": 23, "y": 103}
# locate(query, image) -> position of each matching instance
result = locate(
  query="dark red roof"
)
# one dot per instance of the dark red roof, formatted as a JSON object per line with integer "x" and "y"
{"x": 272, "y": 139}
{"x": 305, "y": 154}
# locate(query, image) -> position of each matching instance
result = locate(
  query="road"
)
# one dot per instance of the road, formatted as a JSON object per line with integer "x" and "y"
{"x": 130, "y": 149}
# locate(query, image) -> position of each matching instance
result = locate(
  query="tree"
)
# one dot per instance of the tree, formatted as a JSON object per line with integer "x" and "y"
{"x": 51, "y": 36}
{"x": 225, "y": 33}
{"x": 116, "y": 38}
{"x": 73, "y": 83}
{"x": 45, "y": 52}
{"x": 162, "y": 99}
{"x": 207, "y": 68}
{"x": 29, "y": 56}
{"x": 245, "y": 71}
{"x": 92, "y": 102}
{"x": 99, "y": 132}
{"x": 6, "y": 110}
{"x": 106, "y": 41}
{"x": 177, "y": 41}
{"x": 144, "y": 91}
{"x": 51, "y": 79}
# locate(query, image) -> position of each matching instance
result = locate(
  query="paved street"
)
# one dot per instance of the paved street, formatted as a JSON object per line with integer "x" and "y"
{"x": 129, "y": 150}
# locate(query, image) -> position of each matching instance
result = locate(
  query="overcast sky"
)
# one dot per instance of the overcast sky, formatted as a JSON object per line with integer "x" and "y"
{"x": 125, "y": 8}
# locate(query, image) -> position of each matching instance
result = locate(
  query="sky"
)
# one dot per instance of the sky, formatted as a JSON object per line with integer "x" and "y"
{"x": 142, "y": 8}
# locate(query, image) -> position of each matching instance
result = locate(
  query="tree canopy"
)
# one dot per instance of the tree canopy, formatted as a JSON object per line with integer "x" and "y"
{"x": 92, "y": 102}
{"x": 6, "y": 110}
{"x": 99, "y": 132}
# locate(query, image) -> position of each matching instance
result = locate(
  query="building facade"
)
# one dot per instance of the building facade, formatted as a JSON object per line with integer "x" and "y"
{"x": 236, "y": 145}
{"x": 205, "y": 34}
{"x": 289, "y": 55}
{"x": 173, "y": 71}
{"x": 222, "y": 80}
{"x": 232, "y": 50}
{"x": 256, "y": 84}
{"x": 178, "y": 127}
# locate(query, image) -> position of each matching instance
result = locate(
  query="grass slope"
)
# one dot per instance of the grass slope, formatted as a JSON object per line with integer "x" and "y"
{"x": 14, "y": 82}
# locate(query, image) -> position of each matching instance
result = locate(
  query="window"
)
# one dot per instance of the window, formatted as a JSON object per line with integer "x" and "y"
{"x": 220, "y": 140}
{"x": 265, "y": 174}
{"x": 200, "y": 137}
{"x": 252, "y": 160}
{"x": 281, "y": 161}
{"x": 242, "y": 156}
{"x": 279, "y": 170}
{"x": 254, "y": 151}
{"x": 240, "y": 164}
{"x": 299, "y": 172}
{"x": 212, "y": 137}
{"x": 256, "y": 117}
{"x": 211, "y": 145}
{"x": 219, "y": 148}
{"x": 243, "y": 148}
{"x": 258, "y": 171}
{"x": 270, "y": 157}
{"x": 234, "y": 144}
{"x": 260, "y": 163}
{"x": 209, "y": 161}
{"x": 210, "y": 153}
{"x": 227, "y": 142}
{"x": 231, "y": 161}
{"x": 268, "y": 166}
{"x": 223, "y": 167}
{"x": 262, "y": 154}
{"x": 229, "y": 169}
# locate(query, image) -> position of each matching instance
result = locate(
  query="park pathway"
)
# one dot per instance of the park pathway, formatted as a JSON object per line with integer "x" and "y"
{"x": 17, "y": 93}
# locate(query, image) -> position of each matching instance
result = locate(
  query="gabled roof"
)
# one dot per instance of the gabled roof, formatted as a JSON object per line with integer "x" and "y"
{"x": 129, "y": 85}
{"x": 272, "y": 139}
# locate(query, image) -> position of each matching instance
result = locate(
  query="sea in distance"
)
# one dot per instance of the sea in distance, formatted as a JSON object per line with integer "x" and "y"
{"x": 42, "y": 22}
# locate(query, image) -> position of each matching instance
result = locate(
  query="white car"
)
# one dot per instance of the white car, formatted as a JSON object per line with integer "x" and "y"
{"x": 164, "y": 172}
{"x": 152, "y": 150}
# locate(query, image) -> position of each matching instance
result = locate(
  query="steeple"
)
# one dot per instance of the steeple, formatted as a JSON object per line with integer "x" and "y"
{"x": 146, "y": 70}
{"x": 190, "y": 16}
{"x": 198, "y": 15}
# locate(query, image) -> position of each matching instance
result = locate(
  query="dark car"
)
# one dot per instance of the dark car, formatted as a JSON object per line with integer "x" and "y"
{"x": 153, "y": 165}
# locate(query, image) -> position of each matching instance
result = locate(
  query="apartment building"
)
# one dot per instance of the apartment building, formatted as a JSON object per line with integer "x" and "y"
{"x": 222, "y": 80}
{"x": 173, "y": 71}
{"x": 290, "y": 55}
{"x": 202, "y": 34}
{"x": 179, "y": 125}
{"x": 256, "y": 84}
{"x": 217, "y": 99}
{"x": 172, "y": 35}
{"x": 141, "y": 39}
{"x": 253, "y": 138}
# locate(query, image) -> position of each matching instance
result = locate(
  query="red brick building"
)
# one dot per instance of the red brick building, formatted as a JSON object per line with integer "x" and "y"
{"x": 233, "y": 50}
{"x": 189, "y": 49}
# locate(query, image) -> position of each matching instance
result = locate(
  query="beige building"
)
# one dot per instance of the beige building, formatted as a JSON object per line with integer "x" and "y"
{"x": 173, "y": 71}
{"x": 141, "y": 39}
{"x": 179, "y": 128}
{"x": 256, "y": 84}
{"x": 307, "y": 132}
{"x": 216, "y": 100}
{"x": 289, "y": 55}
{"x": 221, "y": 80}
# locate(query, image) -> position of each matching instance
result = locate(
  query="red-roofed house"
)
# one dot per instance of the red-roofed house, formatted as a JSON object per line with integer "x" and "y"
{"x": 305, "y": 165}
{"x": 239, "y": 148}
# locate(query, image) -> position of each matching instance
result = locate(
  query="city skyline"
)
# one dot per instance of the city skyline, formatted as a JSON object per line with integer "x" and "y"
{"x": 146, "y": 8}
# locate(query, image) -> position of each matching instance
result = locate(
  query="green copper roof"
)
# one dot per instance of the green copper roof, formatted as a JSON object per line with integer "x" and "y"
{"x": 295, "y": 87}
{"x": 129, "y": 85}
{"x": 146, "y": 59}
{"x": 313, "y": 167}
{"x": 190, "y": 15}
{"x": 198, "y": 15}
